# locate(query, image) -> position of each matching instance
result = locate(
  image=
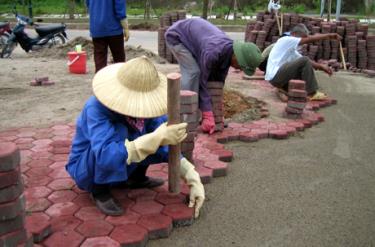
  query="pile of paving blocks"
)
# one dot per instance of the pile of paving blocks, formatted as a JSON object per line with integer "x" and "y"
{"x": 12, "y": 200}
{"x": 165, "y": 22}
{"x": 358, "y": 46}
{"x": 216, "y": 91}
{"x": 297, "y": 99}
{"x": 190, "y": 115}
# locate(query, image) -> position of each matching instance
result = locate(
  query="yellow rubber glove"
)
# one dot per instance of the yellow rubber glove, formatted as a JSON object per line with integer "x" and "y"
{"x": 148, "y": 144}
{"x": 125, "y": 26}
{"x": 192, "y": 178}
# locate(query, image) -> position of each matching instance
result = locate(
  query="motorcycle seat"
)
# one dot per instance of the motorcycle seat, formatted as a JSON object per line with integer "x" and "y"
{"x": 44, "y": 30}
{"x": 3, "y": 24}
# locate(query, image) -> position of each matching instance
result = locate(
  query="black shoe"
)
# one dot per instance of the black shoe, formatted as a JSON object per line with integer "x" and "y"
{"x": 147, "y": 182}
{"x": 107, "y": 204}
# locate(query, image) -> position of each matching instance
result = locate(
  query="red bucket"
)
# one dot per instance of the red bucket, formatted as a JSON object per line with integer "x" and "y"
{"x": 77, "y": 62}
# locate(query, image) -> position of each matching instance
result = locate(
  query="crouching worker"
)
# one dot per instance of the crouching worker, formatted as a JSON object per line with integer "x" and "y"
{"x": 286, "y": 63}
{"x": 122, "y": 130}
{"x": 205, "y": 53}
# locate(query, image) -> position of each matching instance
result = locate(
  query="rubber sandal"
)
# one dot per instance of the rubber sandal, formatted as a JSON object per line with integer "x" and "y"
{"x": 318, "y": 96}
{"x": 108, "y": 206}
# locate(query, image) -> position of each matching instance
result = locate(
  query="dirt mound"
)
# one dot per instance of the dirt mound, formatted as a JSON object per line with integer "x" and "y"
{"x": 240, "y": 108}
{"x": 60, "y": 52}
{"x": 144, "y": 26}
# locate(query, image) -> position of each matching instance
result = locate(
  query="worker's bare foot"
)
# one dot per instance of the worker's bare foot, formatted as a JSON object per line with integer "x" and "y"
{"x": 282, "y": 95}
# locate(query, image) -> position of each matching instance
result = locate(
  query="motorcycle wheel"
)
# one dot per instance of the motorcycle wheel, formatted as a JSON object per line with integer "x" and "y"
{"x": 3, "y": 40}
{"x": 8, "y": 49}
{"x": 58, "y": 40}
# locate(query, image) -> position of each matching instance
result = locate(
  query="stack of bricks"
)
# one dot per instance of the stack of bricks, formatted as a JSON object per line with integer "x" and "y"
{"x": 165, "y": 22}
{"x": 297, "y": 98}
{"x": 358, "y": 45}
{"x": 189, "y": 115}
{"x": 12, "y": 200}
{"x": 216, "y": 92}
{"x": 371, "y": 51}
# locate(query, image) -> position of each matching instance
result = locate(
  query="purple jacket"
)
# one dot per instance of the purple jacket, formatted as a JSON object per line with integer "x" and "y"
{"x": 211, "y": 48}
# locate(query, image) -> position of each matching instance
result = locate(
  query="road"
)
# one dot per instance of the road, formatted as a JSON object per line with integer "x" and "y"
{"x": 146, "y": 39}
{"x": 314, "y": 189}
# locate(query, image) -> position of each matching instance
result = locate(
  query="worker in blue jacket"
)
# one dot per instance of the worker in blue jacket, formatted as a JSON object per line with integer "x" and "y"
{"x": 108, "y": 28}
{"x": 122, "y": 130}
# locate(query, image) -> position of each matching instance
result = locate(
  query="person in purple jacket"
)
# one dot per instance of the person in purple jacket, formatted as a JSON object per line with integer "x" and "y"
{"x": 108, "y": 28}
{"x": 205, "y": 53}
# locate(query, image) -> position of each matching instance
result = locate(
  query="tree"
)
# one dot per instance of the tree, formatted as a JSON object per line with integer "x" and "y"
{"x": 71, "y": 8}
{"x": 205, "y": 9}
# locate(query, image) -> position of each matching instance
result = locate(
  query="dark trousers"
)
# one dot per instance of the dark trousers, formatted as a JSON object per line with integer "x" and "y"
{"x": 300, "y": 69}
{"x": 139, "y": 174}
{"x": 115, "y": 44}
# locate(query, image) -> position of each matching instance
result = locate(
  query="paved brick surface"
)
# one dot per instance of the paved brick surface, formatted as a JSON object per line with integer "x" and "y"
{"x": 58, "y": 212}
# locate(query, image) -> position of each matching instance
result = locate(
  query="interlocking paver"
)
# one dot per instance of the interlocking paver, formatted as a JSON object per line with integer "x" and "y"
{"x": 62, "y": 209}
{"x": 130, "y": 235}
{"x": 89, "y": 213}
{"x": 180, "y": 213}
{"x": 130, "y": 217}
{"x": 39, "y": 225}
{"x": 94, "y": 228}
{"x": 157, "y": 225}
{"x": 100, "y": 241}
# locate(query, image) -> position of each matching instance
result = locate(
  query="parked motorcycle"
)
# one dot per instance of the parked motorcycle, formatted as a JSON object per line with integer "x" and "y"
{"x": 48, "y": 35}
{"x": 5, "y": 32}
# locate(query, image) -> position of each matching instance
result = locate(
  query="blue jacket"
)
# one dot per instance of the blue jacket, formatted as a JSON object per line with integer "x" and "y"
{"x": 105, "y": 17}
{"x": 98, "y": 153}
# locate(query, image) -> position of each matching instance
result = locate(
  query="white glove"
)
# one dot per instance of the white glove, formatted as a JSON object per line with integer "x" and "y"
{"x": 147, "y": 144}
{"x": 125, "y": 26}
{"x": 193, "y": 179}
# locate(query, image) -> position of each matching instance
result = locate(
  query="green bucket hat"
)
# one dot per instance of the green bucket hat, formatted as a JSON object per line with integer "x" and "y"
{"x": 248, "y": 56}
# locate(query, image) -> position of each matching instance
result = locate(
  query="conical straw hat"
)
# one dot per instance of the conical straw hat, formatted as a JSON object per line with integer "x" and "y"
{"x": 134, "y": 88}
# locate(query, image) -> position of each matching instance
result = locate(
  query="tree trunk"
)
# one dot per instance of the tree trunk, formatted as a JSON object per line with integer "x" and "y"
{"x": 147, "y": 10}
{"x": 205, "y": 9}
{"x": 72, "y": 4}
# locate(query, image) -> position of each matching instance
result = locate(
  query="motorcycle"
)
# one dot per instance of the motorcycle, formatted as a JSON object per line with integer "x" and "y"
{"x": 5, "y": 32}
{"x": 48, "y": 35}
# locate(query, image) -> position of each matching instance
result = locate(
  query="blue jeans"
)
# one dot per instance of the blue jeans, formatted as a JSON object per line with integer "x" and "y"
{"x": 190, "y": 71}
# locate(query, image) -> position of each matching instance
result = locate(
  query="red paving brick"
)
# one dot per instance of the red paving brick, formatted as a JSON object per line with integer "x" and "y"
{"x": 167, "y": 198}
{"x": 94, "y": 228}
{"x": 147, "y": 207}
{"x": 157, "y": 225}
{"x": 83, "y": 200}
{"x": 142, "y": 194}
{"x": 130, "y": 235}
{"x": 100, "y": 242}
{"x": 64, "y": 238}
{"x": 89, "y": 213}
{"x": 180, "y": 213}
{"x": 62, "y": 196}
{"x": 37, "y": 204}
{"x": 39, "y": 163}
{"x": 129, "y": 217}
{"x": 37, "y": 192}
{"x": 62, "y": 209}
{"x": 39, "y": 225}
{"x": 65, "y": 223}
{"x": 62, "y": 184}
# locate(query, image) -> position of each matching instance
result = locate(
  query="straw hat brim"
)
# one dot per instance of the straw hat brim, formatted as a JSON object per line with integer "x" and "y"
{"x": 111, "y": 93}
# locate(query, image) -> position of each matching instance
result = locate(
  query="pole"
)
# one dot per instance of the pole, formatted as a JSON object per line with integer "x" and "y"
{"x": 30, "y": 9}
{"x": 278, "y": 22}
{"x": 174, "y": 118}
{"x": 342, "y": 57}
{"x": 329, "y": 10}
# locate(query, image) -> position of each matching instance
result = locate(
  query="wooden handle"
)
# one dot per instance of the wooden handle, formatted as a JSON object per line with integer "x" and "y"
{"x": 174, "y": 118}
{"x": 342, "y": 57}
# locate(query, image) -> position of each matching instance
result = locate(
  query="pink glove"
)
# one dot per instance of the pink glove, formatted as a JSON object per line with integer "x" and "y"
{"x": 208, "y": 122}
